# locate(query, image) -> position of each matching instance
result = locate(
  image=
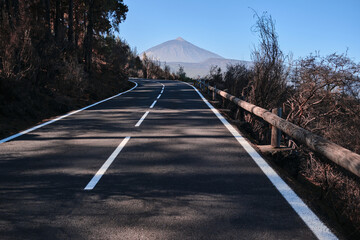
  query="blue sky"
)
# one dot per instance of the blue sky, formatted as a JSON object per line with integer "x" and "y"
{"x": 224, "y": 27}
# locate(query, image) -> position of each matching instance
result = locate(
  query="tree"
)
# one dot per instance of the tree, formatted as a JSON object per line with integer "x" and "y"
{"x": 89, "y": 35}
{"x": 146, "y": 62}
{"x": 167, "y": 71}
{"x": 181, "y": 73}
{"x": 71, "y": 22}
{"x": 325, "y": 98}
{"x": 267, "y": 88}
{"x": 35, "y": 35}
{"x": 108, "y": 14}
{"x": 215, "y": 77}
{"x": 47, "y": 18}
{"x": 57, "y": 19}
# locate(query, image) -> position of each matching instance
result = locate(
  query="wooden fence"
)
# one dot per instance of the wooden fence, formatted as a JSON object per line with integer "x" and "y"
{"x": 339, "y": 155}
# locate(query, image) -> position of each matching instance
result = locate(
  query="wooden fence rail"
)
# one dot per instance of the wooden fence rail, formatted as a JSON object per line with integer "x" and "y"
{"x": 339, "y": 155}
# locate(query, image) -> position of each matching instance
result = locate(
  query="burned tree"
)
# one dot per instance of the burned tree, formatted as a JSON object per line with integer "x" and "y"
{"x": 268, "y": 85}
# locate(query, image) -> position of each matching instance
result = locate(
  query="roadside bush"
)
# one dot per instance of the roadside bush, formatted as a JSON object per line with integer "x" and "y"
{"x": 215, "y": 77}
{"x": 237, "y": 78}
{"x": 325, "y": 98}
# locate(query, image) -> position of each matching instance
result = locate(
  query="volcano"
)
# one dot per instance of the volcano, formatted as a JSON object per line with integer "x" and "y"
{"x": 195, "y": 60}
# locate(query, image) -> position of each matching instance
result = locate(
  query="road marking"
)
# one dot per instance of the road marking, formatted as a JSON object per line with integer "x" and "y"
{"x": 305, "y": 213}
{"x": 163, "y": 86}
{"x": 159, "y": 96}
{"x": 153, "y": 104}
{"x": 64, "y": 116}
{"x": 162, "y": 90}
{"x": 106, "y": 165}
{"x": 141, "y": 119}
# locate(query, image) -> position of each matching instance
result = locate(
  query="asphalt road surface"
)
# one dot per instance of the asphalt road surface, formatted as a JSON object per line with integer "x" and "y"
{"x": 153, "y": 163}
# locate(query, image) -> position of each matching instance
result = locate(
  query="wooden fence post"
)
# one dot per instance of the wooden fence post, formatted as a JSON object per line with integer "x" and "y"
{"x": 275, "y": 132}
{"x": 239, "y": 115}
{"x": 242, "y": 113}
{"x": 214, "y": 93}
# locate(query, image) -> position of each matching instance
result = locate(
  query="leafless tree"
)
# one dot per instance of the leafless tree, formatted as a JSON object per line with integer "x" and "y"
{"x": 325, "y": 98}
{"x": 267, "y": 88}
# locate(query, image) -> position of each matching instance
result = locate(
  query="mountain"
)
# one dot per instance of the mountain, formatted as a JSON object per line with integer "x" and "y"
{"x": 195, "y": 60}
{"x": 179, "y": 50}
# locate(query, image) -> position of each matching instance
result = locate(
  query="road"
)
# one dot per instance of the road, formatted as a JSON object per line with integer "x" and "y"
{"x": 133, "y": 168}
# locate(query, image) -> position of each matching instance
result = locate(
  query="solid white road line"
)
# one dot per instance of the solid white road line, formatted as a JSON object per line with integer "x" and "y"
{"x": 153, "y": 104}
{"x": 64, "y": 116}
{"x": 141, "y": 119}
{"x": 305, "y": 213}
{"x": 106, "y": 165}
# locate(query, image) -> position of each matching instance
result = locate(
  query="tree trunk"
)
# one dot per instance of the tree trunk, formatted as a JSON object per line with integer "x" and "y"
{"x": 57, "y": 19}
{"x": 89, "y": 36}
{"x": 8, "y": 10}
{"x": 71, "y": 30}
{"x": 77, "y": 31}
{"x": 2, "y": 6}
{"x": 47, "y": 18}
{"x": 76, "y": 26}
{"x": 16, "y": 10}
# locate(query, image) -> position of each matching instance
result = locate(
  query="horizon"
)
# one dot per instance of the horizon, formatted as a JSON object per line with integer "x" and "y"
{"x": 327, "y": 27}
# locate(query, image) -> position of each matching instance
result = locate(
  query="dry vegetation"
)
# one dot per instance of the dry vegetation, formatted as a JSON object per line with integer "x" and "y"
{"x": 152, "y": 69}
{"x": 318, "y": 93}
{"x": 57, "y": 55}
{"x": 325, "y": 98}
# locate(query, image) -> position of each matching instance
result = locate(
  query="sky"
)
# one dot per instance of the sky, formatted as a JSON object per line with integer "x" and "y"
{"x": 225, "y": 27}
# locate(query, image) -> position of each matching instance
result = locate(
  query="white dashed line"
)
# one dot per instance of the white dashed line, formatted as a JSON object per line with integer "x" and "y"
{"x": 153, "y": 104}
{"x": 106, "y": 165}
{"x": 112, "y": 157}
{"x": 141, "y": 119}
